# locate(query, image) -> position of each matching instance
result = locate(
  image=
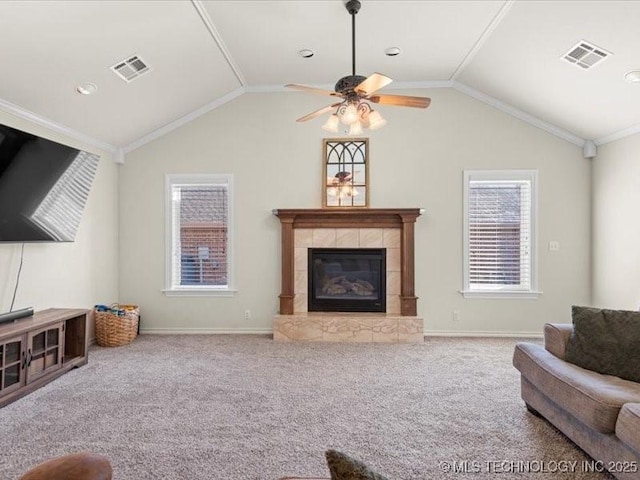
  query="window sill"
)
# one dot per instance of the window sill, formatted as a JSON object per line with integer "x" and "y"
{"x": 199, "y": 292}
{"x": 530, "y": 294}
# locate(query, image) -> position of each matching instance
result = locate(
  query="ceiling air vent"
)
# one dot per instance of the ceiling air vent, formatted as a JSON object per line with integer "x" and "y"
{"x": 586, "y": 55}
{"x": 131, "y": 68}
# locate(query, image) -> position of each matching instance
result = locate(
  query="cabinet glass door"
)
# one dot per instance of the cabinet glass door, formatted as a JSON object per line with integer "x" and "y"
{"x": 44, "y": 351}
{"x": 12, "y": 352}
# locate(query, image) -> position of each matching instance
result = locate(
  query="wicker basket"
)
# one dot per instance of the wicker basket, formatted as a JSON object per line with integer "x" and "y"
{"x": 116, "y": 326}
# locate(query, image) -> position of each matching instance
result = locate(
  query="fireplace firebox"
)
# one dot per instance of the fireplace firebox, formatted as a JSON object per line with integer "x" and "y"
{"x": 347, "y": 280}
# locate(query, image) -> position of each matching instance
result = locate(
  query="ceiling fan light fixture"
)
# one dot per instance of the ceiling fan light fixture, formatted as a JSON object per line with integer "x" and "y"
{"x": 355, "y": 91}
{"x": 332, "y": 124}
{"x": 376, "y": 120}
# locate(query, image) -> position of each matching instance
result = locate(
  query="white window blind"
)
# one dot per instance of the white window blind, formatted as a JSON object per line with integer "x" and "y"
{"x": 60, "y": 212}
{"x": 500, "y": 232}
{"x": 199, "y": 211}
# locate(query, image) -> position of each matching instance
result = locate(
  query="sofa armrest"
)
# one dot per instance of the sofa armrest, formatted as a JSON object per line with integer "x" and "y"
{"x": 556, "y": 336}
{"x": 75, "y": 466}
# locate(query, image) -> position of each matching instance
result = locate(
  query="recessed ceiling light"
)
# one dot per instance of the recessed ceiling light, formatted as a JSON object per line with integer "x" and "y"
{"x": 306, "y": 53}
{"x": 87, "y": 88}
{"x": 633, "y": 76}
{"x": 392, "y": 51}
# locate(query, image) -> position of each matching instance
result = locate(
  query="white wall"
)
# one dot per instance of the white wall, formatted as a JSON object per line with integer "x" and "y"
{"x": 616, "y": 225}
{"x": 417, "y": 160}
{"x": 74, "y": 275}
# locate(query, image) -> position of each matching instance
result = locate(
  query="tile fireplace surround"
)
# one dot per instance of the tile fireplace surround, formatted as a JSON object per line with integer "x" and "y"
{"x": 389, "y": 228}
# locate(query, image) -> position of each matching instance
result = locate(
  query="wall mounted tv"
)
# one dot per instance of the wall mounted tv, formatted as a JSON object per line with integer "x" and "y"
{"x": 44, "y": 187}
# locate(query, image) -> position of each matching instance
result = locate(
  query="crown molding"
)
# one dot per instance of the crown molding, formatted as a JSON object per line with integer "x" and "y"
{"x": 515, "y": 112}
{"x": 495, "y": 21}
{"x": 213, "y": 31}
{"x": 627, "y": 132}
{"x": 183, "y": 120}
{"x": 57, "y": 127}
{"x": 118, "y": 156}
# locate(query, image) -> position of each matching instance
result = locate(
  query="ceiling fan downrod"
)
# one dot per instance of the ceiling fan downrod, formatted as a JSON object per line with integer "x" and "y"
{"x": 346, "y": 84}
{"x": 353, "y": 7}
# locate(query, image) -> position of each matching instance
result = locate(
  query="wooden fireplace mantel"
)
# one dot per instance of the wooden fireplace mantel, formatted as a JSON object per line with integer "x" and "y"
{"x": 402, "y": 218}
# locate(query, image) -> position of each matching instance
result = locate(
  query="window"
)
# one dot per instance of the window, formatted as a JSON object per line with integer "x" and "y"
{"x": 199, "y": 235}
{"x": 500, "y": 233}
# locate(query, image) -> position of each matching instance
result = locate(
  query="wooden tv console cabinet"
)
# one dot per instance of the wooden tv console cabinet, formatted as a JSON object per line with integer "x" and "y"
{"x": 37, "y": 349}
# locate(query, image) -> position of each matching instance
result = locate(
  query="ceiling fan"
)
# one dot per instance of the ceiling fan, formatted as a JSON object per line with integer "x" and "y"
{"x": 355, "y": 91}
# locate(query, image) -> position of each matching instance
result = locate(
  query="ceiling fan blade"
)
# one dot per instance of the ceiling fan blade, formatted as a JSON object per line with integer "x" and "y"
{"x": 401, "y": 101}
{"x": 319, "y": 91}
{"x": 373, "y": 83}
{"x": 318, "y": 112}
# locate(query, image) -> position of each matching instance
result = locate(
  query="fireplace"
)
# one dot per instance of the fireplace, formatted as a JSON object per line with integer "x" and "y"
{"x": 387, "y": 232}
{"x": 347, "y": 280}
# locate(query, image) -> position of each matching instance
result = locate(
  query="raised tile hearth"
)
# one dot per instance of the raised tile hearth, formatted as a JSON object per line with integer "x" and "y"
{"x": 389, "y": 229}
{"x": 347, "y": 327}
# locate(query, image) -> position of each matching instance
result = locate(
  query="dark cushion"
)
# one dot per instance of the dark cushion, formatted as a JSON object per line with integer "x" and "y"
{"x": 606, "y": 341}
{"x": 343, "y": 467}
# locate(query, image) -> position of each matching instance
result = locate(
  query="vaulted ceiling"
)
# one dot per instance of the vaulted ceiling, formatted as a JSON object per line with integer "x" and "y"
{"x": 202, "y": 53}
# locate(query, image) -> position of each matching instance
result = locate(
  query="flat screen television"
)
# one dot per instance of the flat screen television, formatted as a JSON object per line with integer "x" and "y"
{"x": 44, "y": 186}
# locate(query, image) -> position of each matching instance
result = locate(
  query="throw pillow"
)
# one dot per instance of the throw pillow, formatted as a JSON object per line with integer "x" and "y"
{"x": 606, "y": 341}
{"x": 343, "y": 467}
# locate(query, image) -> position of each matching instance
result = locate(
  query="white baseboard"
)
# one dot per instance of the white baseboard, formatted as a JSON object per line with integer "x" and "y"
{"x": 269, "y": 331}
{"x": 446, "y": 333}
{"x": 206, "y": 331}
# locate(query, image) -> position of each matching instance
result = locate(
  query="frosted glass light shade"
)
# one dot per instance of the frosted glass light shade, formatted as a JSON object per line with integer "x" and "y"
{"x": 356, "y": 128}
{"x": 350, "y": 114}
{"x": 375, "y": 120}
{"x": 332, "y": 123}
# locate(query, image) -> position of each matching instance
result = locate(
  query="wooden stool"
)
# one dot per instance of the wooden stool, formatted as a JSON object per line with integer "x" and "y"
{"x": 77, "y": 466}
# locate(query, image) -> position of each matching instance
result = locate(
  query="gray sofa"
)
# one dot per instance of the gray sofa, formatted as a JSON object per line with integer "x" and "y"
{"x": 600, "y": 413}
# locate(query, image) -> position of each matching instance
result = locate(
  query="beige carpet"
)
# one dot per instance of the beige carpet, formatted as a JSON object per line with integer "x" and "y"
{"x": 245, "y": 407}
